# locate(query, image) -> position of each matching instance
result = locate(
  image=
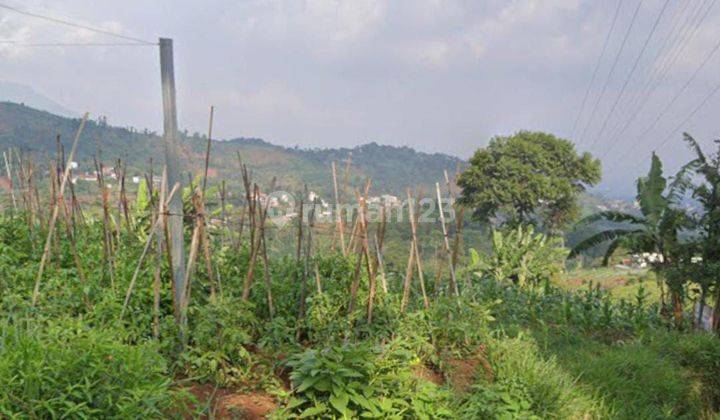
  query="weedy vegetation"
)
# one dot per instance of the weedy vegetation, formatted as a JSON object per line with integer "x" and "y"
{"x": 315, "y": 317}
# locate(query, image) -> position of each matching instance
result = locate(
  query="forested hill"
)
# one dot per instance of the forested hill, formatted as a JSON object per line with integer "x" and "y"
{"x": 391, "y": 168}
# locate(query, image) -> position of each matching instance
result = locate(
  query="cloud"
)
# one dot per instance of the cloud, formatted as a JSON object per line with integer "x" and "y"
{"x": 440, "y": 75}
{"x": 17, "y": 29}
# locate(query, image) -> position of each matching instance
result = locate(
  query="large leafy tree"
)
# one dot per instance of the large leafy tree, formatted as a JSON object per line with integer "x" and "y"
{"x": 530, "y": 177}
{"x": 655, "y": 230}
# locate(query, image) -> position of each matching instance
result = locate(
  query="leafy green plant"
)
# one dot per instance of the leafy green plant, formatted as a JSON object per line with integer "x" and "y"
{"x": 68, "y": 369}
{"x": 522, "y": 256}
{"x": 220, "y": 333}
{"x": 508, "y": 399}
{"x": 353, "y": 381}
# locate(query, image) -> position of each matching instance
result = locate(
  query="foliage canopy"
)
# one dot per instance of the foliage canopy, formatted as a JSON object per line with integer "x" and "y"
{"x": 529, "y": 177}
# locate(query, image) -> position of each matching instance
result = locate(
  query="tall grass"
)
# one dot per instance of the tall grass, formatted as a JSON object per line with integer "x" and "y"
{"x": 68, "y": 370}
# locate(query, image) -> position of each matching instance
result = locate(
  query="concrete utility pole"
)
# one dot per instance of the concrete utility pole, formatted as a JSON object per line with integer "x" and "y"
{"x": 172, "y": 162}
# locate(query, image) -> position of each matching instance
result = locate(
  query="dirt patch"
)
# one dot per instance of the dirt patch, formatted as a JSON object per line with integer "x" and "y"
{"x": 461, "y": 373}
{"x": 424, "y": 372}
{"x": 221, "y": 403}
{"x": 252, "y": 406}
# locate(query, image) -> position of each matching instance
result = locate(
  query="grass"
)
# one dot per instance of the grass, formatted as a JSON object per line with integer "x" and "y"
{"x": 66, "y": 369}
{"x": 636, "y": 379}
{"x": 620, "y": 283}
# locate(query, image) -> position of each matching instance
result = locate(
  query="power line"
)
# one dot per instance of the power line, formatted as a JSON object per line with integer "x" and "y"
{"x": 75, "y": 25}
{"x": 77, "y": 44}
{"x": 689, "y": 116}
{"x": 676, "y": 96}
{"x": 597, "y": 67}
{"x": 661, "y": 55}
{"x": 657, "y": 78}
{"x": 612, "y": 69}
{"x": 632, "y": 71}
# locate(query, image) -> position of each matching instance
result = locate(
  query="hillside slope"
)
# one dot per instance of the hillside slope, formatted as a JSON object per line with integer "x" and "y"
{"x": 391, "y": 168}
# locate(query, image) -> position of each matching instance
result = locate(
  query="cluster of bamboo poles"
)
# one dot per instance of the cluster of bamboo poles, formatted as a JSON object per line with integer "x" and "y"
{"x": 367, "y": 246}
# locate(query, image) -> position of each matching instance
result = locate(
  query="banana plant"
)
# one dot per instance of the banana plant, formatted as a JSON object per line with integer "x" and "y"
{"x": 706, "y": 190}
{"x": 656, "y": 229}
{"x": 521, "y": 256}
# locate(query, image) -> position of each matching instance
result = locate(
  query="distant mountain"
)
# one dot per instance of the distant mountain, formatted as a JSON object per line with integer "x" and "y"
{"x": 21, "y": 94}
{"x": 390, "y": 168}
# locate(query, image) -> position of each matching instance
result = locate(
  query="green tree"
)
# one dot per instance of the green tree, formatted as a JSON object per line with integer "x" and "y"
{"x": 530, "y": 177}
{"x": 656, "y": 230}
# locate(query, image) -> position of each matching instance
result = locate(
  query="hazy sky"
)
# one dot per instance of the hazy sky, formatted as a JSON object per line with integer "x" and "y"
{"x": 436, "y": 75}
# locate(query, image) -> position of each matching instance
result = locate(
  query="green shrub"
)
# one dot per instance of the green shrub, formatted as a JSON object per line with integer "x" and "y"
{"x": 361, "y": 380}
{"x": 220, "y": 332}
{"x": 506, "y": 399}
{"x": 521, "y": 256}
{"x": 68, "y": 370}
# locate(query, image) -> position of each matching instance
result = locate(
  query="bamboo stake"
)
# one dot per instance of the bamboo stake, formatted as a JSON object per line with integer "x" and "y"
{"x": 255, "y": 247}
{"x": 361, "y": 251}
{"x": 356, "y": 227}
{"x": 366, "y": 251}
{"x": 205, "y": 239}
{"x": 165, "y": 210}
{"x": 446, "y": 242}
{"x": 408, "y": 277}
{"x": 266, "y": 265}
{"x": 223, "y": 213}
{"x": 268, "y": 283}
{"x": 355, "y": 284}
{"x": 69, "y": 228}
{"x": 338, "y": 210}
{"x": 53, "y": 220}
{"x": 308, "y": 255}
{"x": 156, "y": 225}
{"x": 253, "y": 250}
{"x": 204, "y": 235}
{"x": 207, "y": 150}
{"x": 8, "y": 169}
{"x": 27, "y": 206}
{"x": 381, "y": 266}
{"x": 122, "y": 197}
{"x": 185, "y": 299}
{"x": 298, "y": 248}
{"x": 108, "y": 250}
{"x": 438, "y": 270}
{"x": 157, "y": 281}
{"x": 458, "y": 224}
{"x": 318, "y": 282}
{"x": 35, "y": 194}
{"x": 346, "y": 180}
{"x": 54, "y": 201}
{"x": 77, "y": 213}
{"x": 418, "y": 258}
